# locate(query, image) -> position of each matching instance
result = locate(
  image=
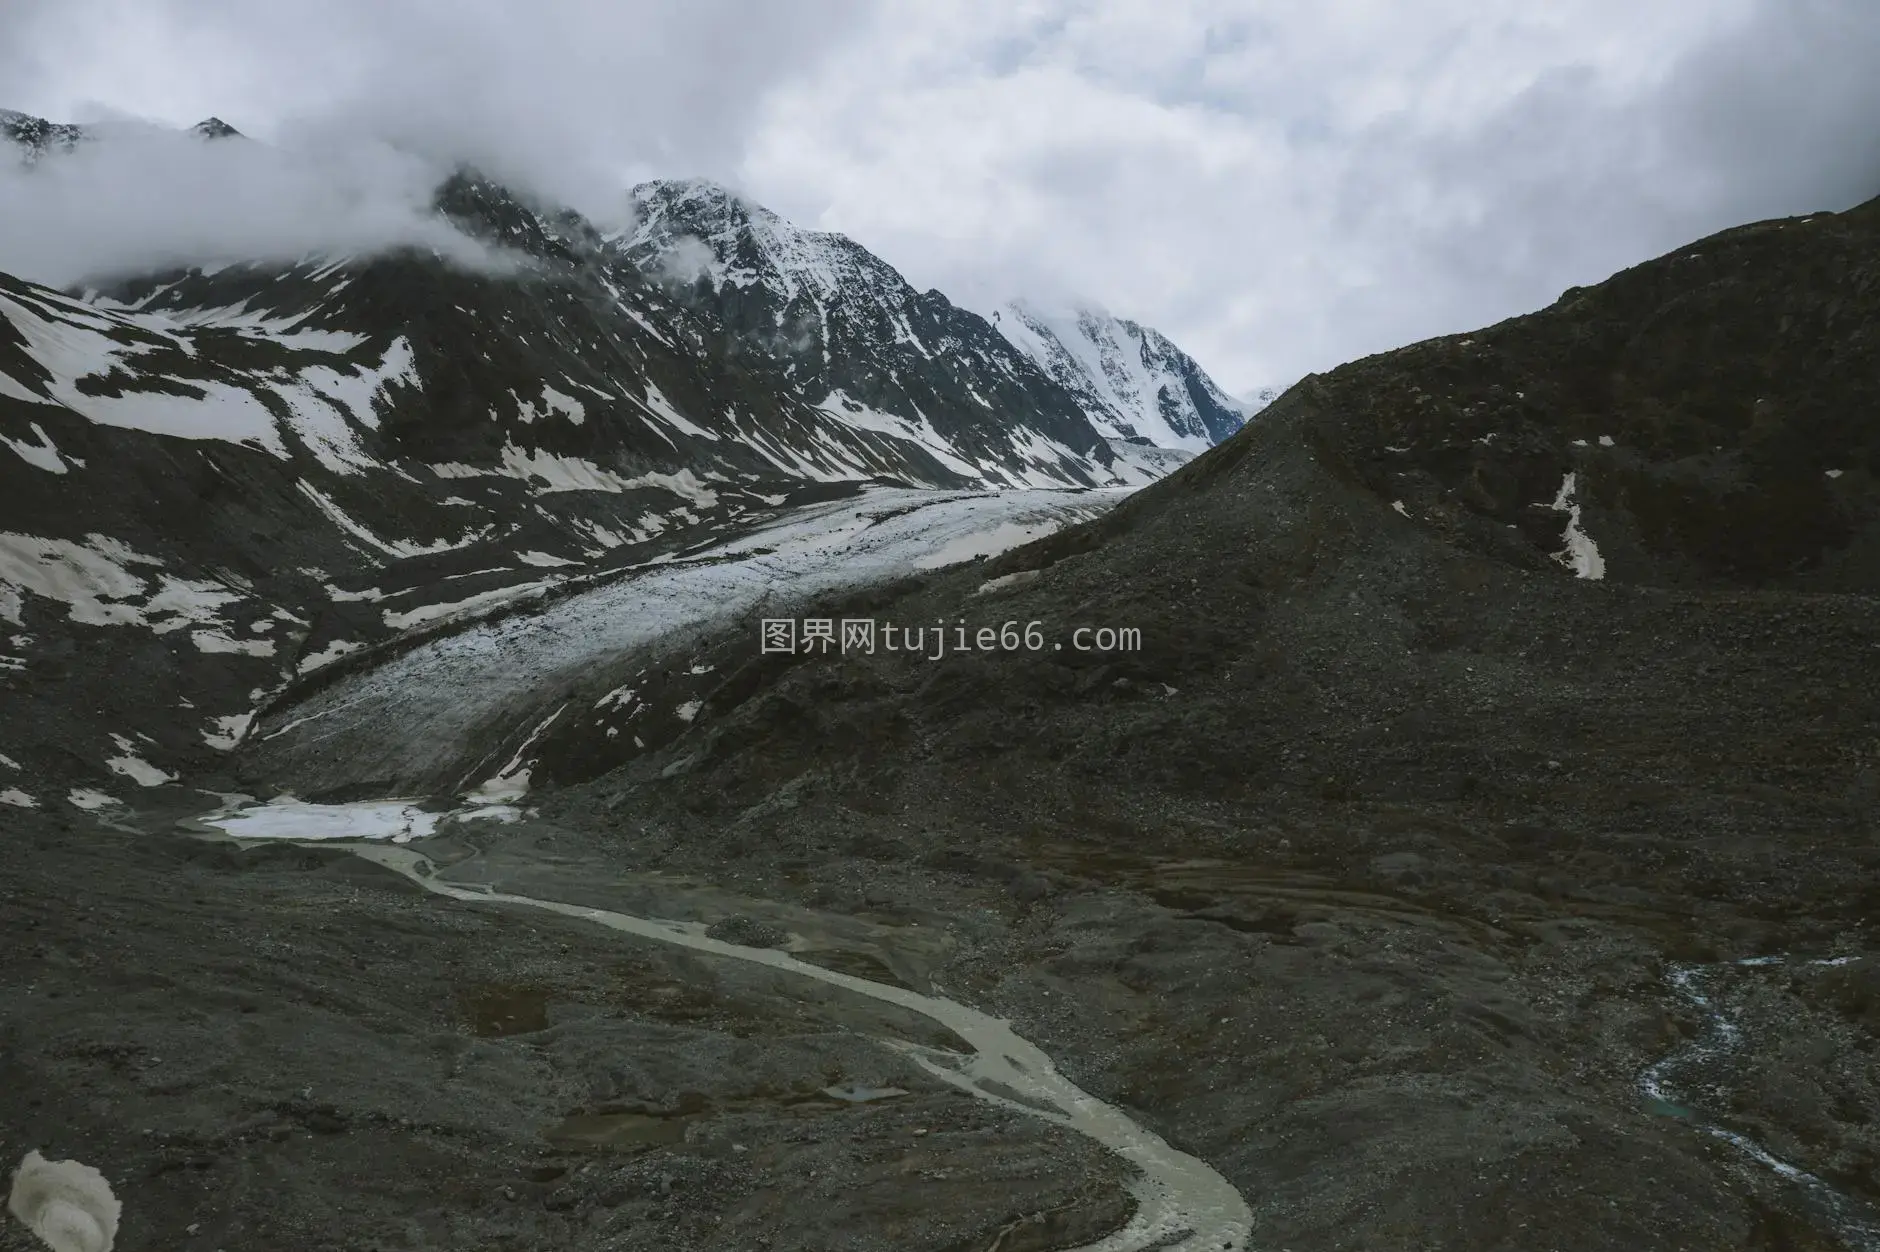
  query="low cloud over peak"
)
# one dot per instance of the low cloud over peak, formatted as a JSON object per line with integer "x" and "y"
{"x": 360, "y": 107}
{"x": 134, "y": 196}
{"x": 1278, "y": 190}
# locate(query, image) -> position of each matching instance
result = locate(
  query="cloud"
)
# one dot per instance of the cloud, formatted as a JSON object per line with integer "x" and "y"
{"x": 361, "y": 103}
{"x": 1285, "y": 187}
{"x": 140, "y": 198}
{"x": 1278, "y": 187}
{"x": 1780, "y": 117}
{"x": 686, "y": 260}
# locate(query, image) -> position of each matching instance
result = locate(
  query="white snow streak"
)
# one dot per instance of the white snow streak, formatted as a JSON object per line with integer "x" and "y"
{"x": 228, "y": 731}
{"x": 1581, "y": 555}
{"x": 95, "y": 584}
{"x": 400, "y": 548}
{"x": 39, "y": 453}
{"x": 134, "y": 767}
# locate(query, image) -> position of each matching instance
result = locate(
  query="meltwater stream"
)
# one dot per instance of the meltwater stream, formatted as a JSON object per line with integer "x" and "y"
{"x": 1182, "y": 1204}
{"x": 1721, "y": 1038}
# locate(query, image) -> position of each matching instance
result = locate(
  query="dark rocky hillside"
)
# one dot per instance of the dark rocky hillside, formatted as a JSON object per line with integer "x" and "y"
{"x": 1400, "y": 519}
{"x": 1716, "y": 408}
{"x": 1396, "y": 682}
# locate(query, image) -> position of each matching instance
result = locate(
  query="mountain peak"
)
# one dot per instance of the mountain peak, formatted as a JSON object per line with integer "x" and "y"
{"x": 672, "y": 207}
{"x": 700, "y": 205}
{"x": 37, "y": 136}
{"x": 688, "y": 229}
{"x": 1134, "y": 381}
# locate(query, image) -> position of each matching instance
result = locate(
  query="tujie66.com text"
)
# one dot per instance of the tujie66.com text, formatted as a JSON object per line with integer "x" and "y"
{"x": 933, "y": 642}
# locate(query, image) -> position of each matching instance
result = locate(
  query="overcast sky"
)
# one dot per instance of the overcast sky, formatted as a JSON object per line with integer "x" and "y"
{"x": 1279, "y": 185}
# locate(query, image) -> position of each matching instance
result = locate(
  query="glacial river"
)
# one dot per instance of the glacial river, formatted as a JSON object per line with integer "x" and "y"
{"x": 1666, "y": 1084}
{"x": 1182, "y": 1204}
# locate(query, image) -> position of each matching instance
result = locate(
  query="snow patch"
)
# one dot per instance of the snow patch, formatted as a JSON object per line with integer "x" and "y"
{"x": 1016, "y": 579}
{"x": 553, "y": 402}
{"x": 286, "y": 818}
{"x": 228, "y": 732}
{"x": 400, "y": 548}
{"x": 40, "y": 454}
{"x": 1046, "y": 460}
{"x": 454, "y": 608}
{"x": 134, "y": 767}
{"x": 358, "y": 391}
{"x": 93, "y": 582}
{"x": 550, "y": 472}
{"x": 511, "y": 782}
{"x": 69, "y": 1206}
{"x": 287, "y": 331}
{"x": 71, "y": 341}
{"x": 858, "y": 416}
{"x": 1128, "y": 378}
{"x": 322, "y": 427}
{"x": 489, "y": 812}
{"x": 326, "y": 656}
{"x": 543, "y": 559}
{"x": 1000, "y": 538}
{"x": 618, "y": 698}
{"x": 659, "y": 406}
{"x": 1581, "y": 555}
{"x": 217, "y": 641}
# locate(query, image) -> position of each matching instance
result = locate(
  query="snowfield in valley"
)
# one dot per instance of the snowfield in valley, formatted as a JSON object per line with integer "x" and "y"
{"x": 406, "y": 720}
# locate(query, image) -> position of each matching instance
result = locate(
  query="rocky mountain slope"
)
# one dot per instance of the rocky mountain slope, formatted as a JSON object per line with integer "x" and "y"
{"x": 226, "y": 477}
{"x": 1687, "y": 437}
{"x": 1485, "y": 690}
{"x": 850, "y": 336}
{"x": 1139, "y": 385}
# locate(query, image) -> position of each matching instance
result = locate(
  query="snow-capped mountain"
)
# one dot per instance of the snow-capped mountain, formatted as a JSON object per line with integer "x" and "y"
{"x": 1130, "y": 379}
{"x": 35, "y": 136}
{"x": 226, "y": 480}
{"x": 1254, "y": 401}
{"x": 853, "y": 340}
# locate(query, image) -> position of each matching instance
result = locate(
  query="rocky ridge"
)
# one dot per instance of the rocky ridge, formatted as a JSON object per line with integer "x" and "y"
{"x": 230, "y": 476}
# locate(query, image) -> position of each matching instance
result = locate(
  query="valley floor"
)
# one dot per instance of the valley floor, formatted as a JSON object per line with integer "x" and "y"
{"x": 1379, "y": 1041}
{"x": 290, "y": 1046}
